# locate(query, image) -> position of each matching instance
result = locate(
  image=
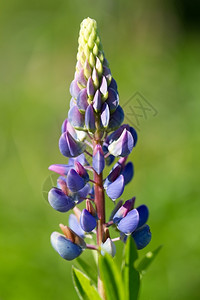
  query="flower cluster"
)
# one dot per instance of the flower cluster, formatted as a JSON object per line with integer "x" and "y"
{"x": 94, "y": 123}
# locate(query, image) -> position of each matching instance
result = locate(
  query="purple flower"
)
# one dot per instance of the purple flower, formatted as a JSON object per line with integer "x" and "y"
{"x": 94, "y": 128}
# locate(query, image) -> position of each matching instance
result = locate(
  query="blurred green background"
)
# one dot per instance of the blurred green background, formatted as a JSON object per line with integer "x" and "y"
{"x": 153, "y": 47}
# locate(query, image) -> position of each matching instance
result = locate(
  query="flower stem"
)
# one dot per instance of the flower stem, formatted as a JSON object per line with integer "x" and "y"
{"x": 100, "y": 208}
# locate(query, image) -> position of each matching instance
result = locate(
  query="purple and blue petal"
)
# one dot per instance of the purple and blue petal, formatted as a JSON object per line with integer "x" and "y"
{"x": 116, "y": 188}
{"x": 123, "y": 145}
{"x": 87, "y": 221}
{"x": 59, "y": 201}
{"x": 109, "y": 247}
{"x": 97, "y": 101}
{"x": 142, "y": 236}
{"x": 60, "y": 169}
{"x": 65, "y": 248}
{"x": 82, "y": 102}
{"x": 90, "y": 119}
{"x": 116, "y": 118}
{"x": 76, "y": 118}
{"x": 74, "y": 181}
{"x": 143, "y": 214}
{"x": 75, "y": 226}
{"x": 98, "y": 161}
{"x": 128, "y": 172}
{"x": 113, "y": 100}
{"x": 129, "y": 223}
{"x": 69, "y": 146}
{"x": 105, "y": 115}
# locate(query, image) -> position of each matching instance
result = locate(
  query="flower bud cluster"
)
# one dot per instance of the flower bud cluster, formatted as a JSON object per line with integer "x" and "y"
{"x": 95, "y": 114}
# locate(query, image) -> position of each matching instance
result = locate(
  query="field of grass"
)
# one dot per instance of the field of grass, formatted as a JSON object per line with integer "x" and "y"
{"x": 149, "y": 53}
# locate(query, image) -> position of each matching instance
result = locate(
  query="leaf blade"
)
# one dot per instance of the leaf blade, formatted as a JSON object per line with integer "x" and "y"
{"x": 147, "y": 260}
{"x": 130, "y": 275}
{"x": 84, "y": 288}
{"x": 87, "y": 269}
{"x": 111, "y": 277}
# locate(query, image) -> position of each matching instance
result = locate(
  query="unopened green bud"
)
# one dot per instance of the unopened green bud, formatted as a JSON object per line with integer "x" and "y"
{"x": 95, "y": 50}
{"x": 87, "y": 69}
{"x": 89, "y": 43}
{"x": 99, "y": 66}
{"x": 92, "y": 60}
{"x": 101, "y": 57}
{"x": 86, "y": 51}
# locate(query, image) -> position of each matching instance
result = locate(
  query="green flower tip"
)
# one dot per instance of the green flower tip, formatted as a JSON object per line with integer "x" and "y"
{"x": 90, "y": 51}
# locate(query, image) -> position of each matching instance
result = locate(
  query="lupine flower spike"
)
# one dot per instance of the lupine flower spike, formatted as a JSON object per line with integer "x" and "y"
{"x": 95, "y": 119}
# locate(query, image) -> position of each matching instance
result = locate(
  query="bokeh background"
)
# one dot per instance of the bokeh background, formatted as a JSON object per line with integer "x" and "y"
{"x": 153, "y": 48}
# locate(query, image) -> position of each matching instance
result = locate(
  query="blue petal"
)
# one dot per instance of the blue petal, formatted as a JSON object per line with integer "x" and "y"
{"x": 116, "y": 188}
{"x": 64, "y": 246}
{"x": 116, "y": 118}
{"x": 97, "y": 102}
{"x": 81, "y": 171}
{"x": 59, "y": 201}
{"x": 81, "y": 159}
{"x": 134, "y": 134}
{"x": 87, "y": 221}
{"x": 69, "y": 146}
{"x": 75, "y": 226}
{"x": 74, "y": 89}
{"x": 81, "y": 78}
{"x": 123, "y": 210}
{"x": 79, "y": 196}
{"x": 143, "y": 214}
{"x": 129, "y": 223}
{"x": 98, "y": 161}
{"x": 90, "y": 87}
{"x": 82, "y": 102}
{"x": 113, "y": 84}
{"x": 74, "y": 181}
{"x": 113, "y": 175}
{"x": 75, "y": 118}
{"x": 84, "y": 191}
{"x": 90, "y": 119}
{"x": 113, "y": 100}
{"x": 105, "y": 115}
{"x": 109, "y": 159}
{"x": 142, "y": 236}
{"x": 60, "y": 169}
{"x": 104, "y": 86}
{"x": 109, "y": 247}
{"x": 128, "y": 172}
{"x": 123, "y": 145}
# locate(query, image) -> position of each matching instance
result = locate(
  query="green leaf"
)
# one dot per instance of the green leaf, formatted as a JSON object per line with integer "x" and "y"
{"x": 130, "y": 275}
{"x": 83, "y": 285}
{"x": 147, "y": 260}
{"x": 87, "y": 269}
{"x": 111, "y": 277}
